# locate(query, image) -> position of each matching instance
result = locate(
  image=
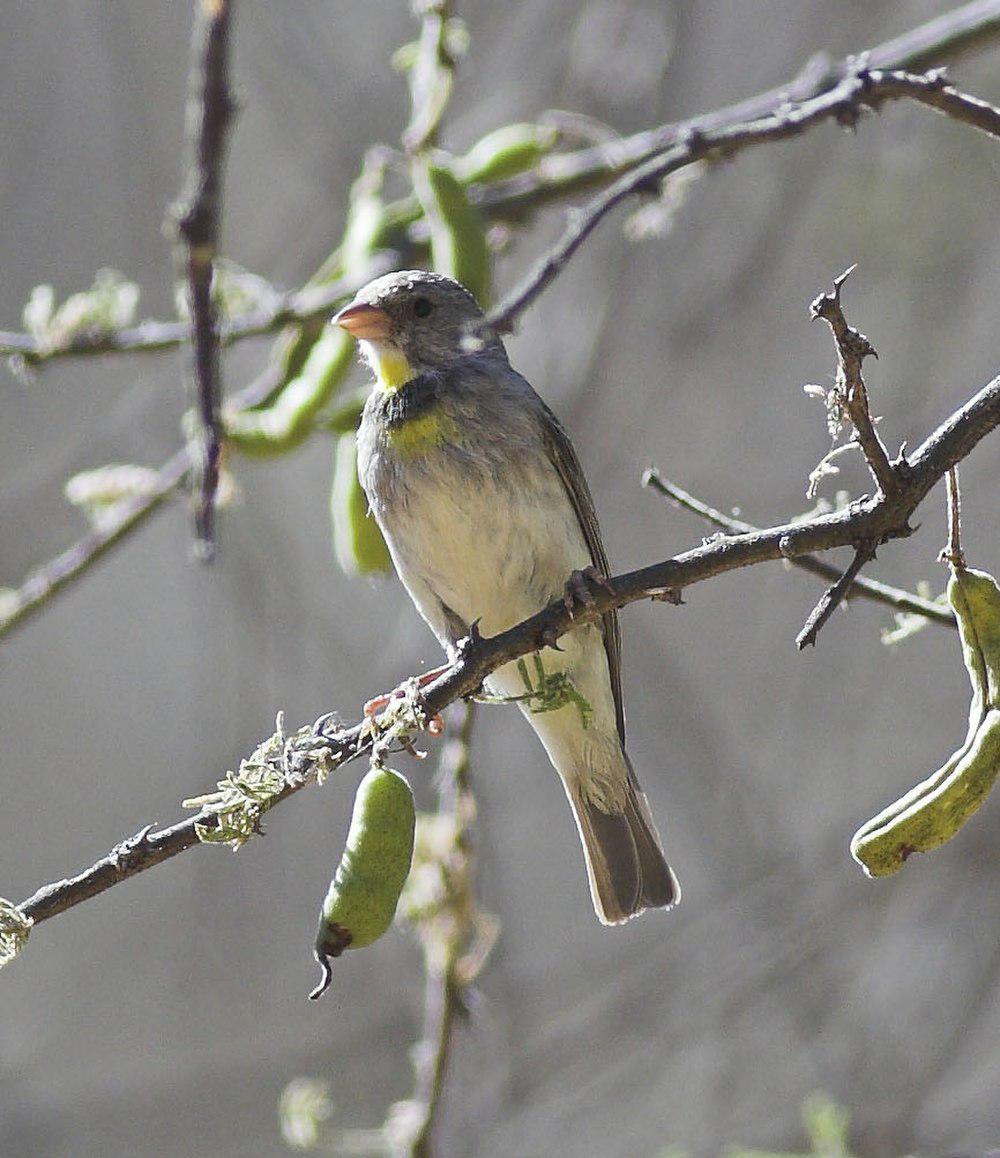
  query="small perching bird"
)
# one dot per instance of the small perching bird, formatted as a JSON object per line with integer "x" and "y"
{"x": 482, "y": 501}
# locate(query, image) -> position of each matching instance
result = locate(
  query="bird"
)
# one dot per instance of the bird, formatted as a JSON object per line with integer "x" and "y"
{"x": 483, "y": 504}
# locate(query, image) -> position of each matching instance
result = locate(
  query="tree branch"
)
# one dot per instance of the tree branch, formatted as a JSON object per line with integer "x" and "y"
{"x": 871, "y": 520}
{"x": 849, "y": 394}
{"x": 859, "y": 89}
{"x": 195, "y": 218}
{"x": 871, "y": 589}
{"x": 832, "y": 597}
{"x": 967, "y": 29}
{"x": 933, "y": 90}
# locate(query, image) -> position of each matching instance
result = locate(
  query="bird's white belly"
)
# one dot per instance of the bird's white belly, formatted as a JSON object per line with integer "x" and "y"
{"x": 492, "y": 557}
{"x": 499, "y": 560}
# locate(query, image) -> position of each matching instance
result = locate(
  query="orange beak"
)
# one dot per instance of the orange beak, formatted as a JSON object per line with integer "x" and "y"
{"x": 361, "y": 320}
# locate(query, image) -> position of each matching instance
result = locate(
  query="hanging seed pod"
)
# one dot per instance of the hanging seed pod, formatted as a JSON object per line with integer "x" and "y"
{"x": 366, "y": 888}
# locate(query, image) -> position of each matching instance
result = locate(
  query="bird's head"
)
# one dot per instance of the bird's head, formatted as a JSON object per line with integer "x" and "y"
{"x": 413, "y": 322}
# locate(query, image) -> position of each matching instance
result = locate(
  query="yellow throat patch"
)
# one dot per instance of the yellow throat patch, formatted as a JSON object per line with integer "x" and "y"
{"x": 392, "y": 369}
{"x": 423, "y": 432}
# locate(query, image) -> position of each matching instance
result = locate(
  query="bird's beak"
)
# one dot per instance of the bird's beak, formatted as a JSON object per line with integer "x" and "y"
{"x": 361, "y": 320}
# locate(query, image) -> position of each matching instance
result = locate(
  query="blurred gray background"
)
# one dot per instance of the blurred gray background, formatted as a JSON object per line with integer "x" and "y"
{"x": 165, "y": 1017}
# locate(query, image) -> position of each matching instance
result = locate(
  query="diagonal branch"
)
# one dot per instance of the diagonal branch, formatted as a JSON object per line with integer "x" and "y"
{"x": 832, "y": 597}
{"x": 967, "y": 29}
{"x": 871, "y": 589}
{"x": 934, "y": 90}
{"x": 874, "y": 520}
{"x": 858, "y": 90}
{"x": 196, "y": 219}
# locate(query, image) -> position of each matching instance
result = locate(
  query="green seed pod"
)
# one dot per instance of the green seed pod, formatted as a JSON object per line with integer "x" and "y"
{"x": 940, "y": 806}
{"x": 364, "y": 893}
{"x": 505, "y": 152}
{"x": 975, "y": 597}
{"x": 292, "y": 416}
{"x": 457, "y": 230}
{"x": 357, "y": 540}
{"x": 933, "y": 811}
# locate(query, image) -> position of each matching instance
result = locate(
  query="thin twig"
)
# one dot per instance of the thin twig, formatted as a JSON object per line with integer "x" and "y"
{"x": 934, "y": 90}
{"x": 858, "y": 90}
{"x": 196, "y": 219}
{"x": 294, "y": 307}
{"x": 872, "y": 589}
{"x": 17, "y": 606}
{"x": 832, "y": 597}
{"x": 953, "y": 552}
{"x": 967, "y": 29}
{"x": 850, "y": 392}
{"x": 875, "y": 519}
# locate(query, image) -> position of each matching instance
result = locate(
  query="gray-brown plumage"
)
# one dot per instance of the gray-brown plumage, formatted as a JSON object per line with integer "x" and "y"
{"x": 482, "y": 501}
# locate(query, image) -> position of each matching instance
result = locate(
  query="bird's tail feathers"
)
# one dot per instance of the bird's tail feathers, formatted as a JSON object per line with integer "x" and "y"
{"x": 626, "y": 867}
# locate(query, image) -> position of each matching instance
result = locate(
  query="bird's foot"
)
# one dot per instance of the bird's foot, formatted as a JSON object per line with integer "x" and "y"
{"x": 579, "y": 591}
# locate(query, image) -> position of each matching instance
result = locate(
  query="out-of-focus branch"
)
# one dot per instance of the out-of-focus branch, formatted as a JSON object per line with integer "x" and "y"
{"x": 872, "y": 520}
{"x": 19, "y": 604}
{"x": 195, "y": 217}
{"x": 947, "y": 38}
{"x": 871, "y": 589}
{"x": 455, "y": 934}
{"x": 858, "y": 90}
{"x": 295, "y": 307}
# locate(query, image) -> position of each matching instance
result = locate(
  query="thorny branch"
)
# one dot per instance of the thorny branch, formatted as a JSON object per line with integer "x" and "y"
{"x": 849, "y": 395}
{"x": 872, "y": 519}
{"x": 871, "y": 589}
{"x": 196, "y": 219}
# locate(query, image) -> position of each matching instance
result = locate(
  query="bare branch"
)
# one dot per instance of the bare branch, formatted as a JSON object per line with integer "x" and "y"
{"x": 456, "y": 937}
{"x": 832, "y": 597}
{"x": 41, "y": 585}
{"x": 933, "y": 90}
{"x": 195, "y": 217}
{"x": 850, "y": 392}
{"x": 871, "y": 589}
{"x": 946, "y": 38}
{"x": 872, "y": 520}
{"x": 859, "y": 89}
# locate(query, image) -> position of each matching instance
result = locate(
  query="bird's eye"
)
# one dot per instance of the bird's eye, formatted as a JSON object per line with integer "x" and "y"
{"x": 422, "y": 307}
